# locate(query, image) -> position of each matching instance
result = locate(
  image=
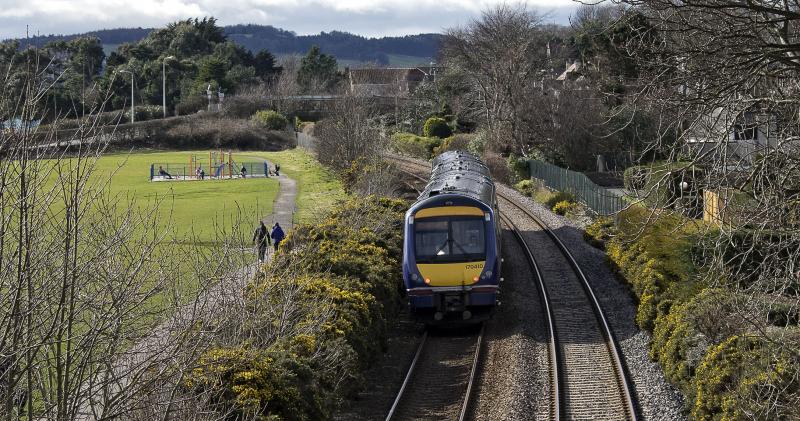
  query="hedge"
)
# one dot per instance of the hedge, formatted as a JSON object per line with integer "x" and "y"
{"x": 344, "y": 282}
{"x": 701, "y": 343}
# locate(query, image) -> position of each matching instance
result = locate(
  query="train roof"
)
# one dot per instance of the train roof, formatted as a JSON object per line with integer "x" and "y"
{"x": 459, "y": 172}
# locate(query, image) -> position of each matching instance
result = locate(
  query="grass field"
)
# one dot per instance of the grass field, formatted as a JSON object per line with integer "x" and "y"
{"x": 318, "y": 189}
{"x": 195, "y": 206}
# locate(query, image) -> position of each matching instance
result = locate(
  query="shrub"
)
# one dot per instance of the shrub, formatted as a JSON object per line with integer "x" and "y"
{"x": 148, "y": 112}
{"x": 343, "y": 278}
{"x": 191, "y": 105}
{"x": 436, "y": 127}
{"x": 271, "y": 120}
{"x": 413, "y": 145}
{"x": 497, "y": 167}
{"x": 525, "y": 187}
{"x": 565, "y": 207}
{"x": 635, "y": 177}
{"x": 459, "y": 142}
{"x": 746, "y": 378}
{"x": 242, "y": 106}
{"x": 518, "y": 166}
{"x": 559, "y": 197}
{"x": 598, "y": 232}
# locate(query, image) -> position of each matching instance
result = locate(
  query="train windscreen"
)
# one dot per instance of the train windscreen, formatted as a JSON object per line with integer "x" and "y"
{"x": 450, "y": 239}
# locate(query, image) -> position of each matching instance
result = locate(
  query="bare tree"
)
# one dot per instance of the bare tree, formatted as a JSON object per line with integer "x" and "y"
{"x": 504, "y": 55}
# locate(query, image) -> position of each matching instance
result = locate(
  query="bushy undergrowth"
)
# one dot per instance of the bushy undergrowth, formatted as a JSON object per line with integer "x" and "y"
{"x": 325, "y": 319}
{"x": 458, "y": 142}
{"x": 436, "y": 127}
{"x": 269, "y": 119}
{"x": 726, "y": 367}
{"x": 416, "y": 146}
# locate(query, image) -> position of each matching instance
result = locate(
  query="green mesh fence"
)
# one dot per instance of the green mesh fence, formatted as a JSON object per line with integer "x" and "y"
{"x": 598, "y": 199}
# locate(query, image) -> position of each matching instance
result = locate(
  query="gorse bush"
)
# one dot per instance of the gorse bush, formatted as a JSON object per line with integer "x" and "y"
{"x": 317, "y": 318}
{"x": 559, "y": 197}
{"x": 525, "y": 187}
{"x": 271, "y": 120}
{"x": 436, "y": 127}
{"x": 701, "y": 339}
{"x": 565, "y": 207}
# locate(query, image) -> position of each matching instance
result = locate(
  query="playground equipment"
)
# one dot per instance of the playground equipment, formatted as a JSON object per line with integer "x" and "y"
{"x": 220, "y": 165}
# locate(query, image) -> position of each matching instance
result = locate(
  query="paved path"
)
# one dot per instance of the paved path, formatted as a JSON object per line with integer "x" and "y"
{"x": 157, "y": 348}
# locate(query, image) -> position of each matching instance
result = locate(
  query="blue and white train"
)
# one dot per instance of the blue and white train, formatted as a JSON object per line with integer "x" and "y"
{"x": 451, "y": 249}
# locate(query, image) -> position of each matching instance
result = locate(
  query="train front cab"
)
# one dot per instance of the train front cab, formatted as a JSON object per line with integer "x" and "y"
{"x": 451, "y": 265}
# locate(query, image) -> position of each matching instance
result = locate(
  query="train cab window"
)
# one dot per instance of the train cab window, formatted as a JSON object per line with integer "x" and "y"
{"x": 440, "y": 240}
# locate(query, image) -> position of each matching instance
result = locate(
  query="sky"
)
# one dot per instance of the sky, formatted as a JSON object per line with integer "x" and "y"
{"x": 372, "y": 18}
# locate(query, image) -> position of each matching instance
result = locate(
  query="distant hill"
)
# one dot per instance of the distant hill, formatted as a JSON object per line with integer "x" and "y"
{"x": 349, "y": 48}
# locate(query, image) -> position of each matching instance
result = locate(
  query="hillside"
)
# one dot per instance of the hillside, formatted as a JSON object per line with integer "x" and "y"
{"x": 346, "y": 47}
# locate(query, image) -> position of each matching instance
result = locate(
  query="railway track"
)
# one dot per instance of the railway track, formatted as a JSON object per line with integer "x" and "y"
{"x": 439, "y": 381}
{"x": 587, "y": 373}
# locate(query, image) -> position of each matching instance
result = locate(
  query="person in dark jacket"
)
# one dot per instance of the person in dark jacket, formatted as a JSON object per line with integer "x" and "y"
{"x": 163, "y": 173}
{"x": 244, "y": 171}
{"x": 277, "y": 235}
{"x": 277, "y": 169}
{"x": 261, "y": 238}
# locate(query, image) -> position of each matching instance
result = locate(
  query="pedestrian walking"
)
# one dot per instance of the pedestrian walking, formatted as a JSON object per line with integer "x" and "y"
{"x": 261, "y": 238}
{"x": 244, "y": 171}
{"x": 202, "y": 174}
{"x": 277, "y": 235}
{"x": 277, "y": 169}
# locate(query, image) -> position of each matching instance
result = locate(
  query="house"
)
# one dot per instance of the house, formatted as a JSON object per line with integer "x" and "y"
{"x": 737, "y": 133}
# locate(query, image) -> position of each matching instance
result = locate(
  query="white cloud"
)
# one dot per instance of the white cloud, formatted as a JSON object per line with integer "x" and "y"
{"x": 367, "y": 17}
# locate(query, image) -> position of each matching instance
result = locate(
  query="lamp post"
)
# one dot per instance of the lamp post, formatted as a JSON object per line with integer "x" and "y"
{"x": 164, "y": 82}
{"x": 132, "y": 105}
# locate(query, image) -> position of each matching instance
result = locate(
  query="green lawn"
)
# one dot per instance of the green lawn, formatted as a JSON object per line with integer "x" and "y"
{"x": 318, "y": 189}
{"x": 194, "y": 205}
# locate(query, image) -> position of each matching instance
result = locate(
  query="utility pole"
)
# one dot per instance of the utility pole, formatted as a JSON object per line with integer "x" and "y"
{"x": 164, "y": 83}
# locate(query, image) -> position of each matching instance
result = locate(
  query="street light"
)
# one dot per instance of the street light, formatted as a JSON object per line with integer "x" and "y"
{"x": 164, "y": 82}
{"x": 132, "y": 107}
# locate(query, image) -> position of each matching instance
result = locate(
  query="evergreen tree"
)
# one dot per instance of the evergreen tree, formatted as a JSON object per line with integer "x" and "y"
{"x": 318, "y": 72}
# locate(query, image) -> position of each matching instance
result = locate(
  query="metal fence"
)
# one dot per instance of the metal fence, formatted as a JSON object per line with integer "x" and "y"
{"x": 305, "y": 141}
{"x": 221, "y": 170}
{"x": 597, "y": 198}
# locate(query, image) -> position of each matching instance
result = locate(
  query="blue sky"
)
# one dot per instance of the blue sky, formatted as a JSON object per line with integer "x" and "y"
{"x": 365, "y": 17}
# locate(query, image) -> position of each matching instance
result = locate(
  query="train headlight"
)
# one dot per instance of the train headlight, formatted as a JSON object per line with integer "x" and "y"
{"x": 487, "y": 274}
{"x": 487, "y": 216}
{"x": 427, "y": 280}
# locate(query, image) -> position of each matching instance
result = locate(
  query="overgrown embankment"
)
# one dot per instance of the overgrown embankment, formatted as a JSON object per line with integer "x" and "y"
{"x": 317, "y": 316}
{"x": 728, "y": 366}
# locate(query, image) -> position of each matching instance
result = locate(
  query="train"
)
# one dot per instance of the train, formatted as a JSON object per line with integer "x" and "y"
{"x": 451, "y": 243}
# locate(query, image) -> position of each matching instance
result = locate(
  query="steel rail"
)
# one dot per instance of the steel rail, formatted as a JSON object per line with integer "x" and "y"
{"x": 408, "y": 377}
{"x": 626, "y": 390}
{"x": 465, "y": 406}
{"x": 554, "y": 355}
{"x": 625, "y": 387}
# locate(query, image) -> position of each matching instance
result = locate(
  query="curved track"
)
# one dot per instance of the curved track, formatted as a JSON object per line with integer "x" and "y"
{"x": 439, "y": 381}
{"x": 588, "y": 375}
